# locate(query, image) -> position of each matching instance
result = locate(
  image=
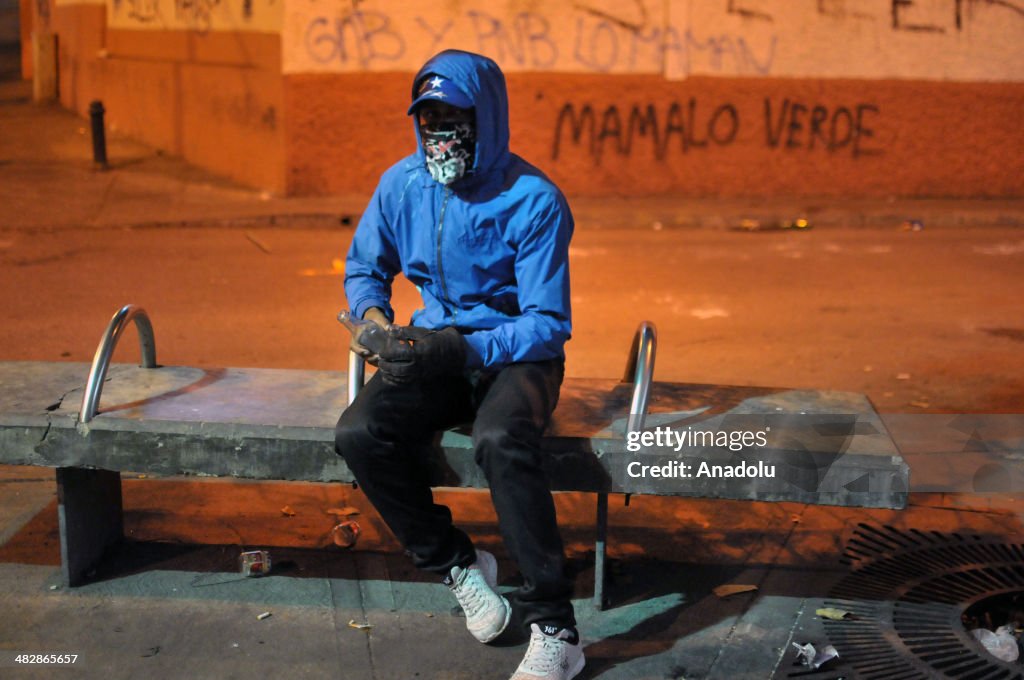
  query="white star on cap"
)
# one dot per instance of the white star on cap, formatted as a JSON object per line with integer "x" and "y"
{"x": 436, "y": 82}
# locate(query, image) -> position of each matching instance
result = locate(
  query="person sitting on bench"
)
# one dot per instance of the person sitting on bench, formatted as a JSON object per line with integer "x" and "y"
{"x": 484, "y": 236}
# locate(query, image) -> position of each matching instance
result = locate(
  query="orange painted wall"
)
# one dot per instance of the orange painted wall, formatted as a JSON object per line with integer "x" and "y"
{"x": 344, "y": 131}
{"x": 916, "y": 138}
{"x": 231, "y": 123}
{"x": 142, "y": 99}
{"x": 220, "y": 100}
{"x": 80, "y": 30}
{"x": 214, "y": 99}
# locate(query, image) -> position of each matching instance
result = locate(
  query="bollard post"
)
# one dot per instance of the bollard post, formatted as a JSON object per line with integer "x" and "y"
{"x": 99, "y": 137}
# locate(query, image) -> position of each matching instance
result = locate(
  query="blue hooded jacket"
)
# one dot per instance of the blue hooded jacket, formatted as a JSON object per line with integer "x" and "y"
{"x": 489, "y": 253}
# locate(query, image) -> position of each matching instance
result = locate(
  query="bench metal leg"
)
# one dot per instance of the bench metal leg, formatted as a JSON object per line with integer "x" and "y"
{"x": 91, "y": 519}
{"x": 600, "y": 549}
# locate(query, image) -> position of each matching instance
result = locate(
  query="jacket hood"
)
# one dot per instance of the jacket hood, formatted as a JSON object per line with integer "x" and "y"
{"x": 480, "y": 79}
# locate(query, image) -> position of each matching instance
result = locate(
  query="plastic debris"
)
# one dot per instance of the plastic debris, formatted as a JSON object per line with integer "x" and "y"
{"x": 805, "y": 653}
{"x": 254, "y": 563}
{"x": 264, "y": 615}
{"x": 346, "y": 511}
{"x": 346, "y": 534}
{"x": 912, "y": 225}
{"x": 287, "y": 511}
{"x": 359, "y": 626}
{"x": 705, "y": 313}
{"x": 797, "y": 224}
{"x": 337, "y": 269}
{"x": 1000, "y": 644}
{"x": 832, "y": 613}
{"x": 812, "y": 658}
{"x": 1001, "y": 249}
{"x": 733, "y": 589}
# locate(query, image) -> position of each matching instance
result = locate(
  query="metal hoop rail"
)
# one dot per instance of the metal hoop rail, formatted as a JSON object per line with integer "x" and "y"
{"x": 101, "y": 360}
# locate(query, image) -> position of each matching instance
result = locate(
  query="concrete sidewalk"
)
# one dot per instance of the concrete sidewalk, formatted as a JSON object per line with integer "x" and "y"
{"x": 177, "y": 609}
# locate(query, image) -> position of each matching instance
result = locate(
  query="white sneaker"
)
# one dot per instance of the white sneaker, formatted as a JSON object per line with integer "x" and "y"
{"x": 487, "y": 612}
{"x": 551, "y": 656}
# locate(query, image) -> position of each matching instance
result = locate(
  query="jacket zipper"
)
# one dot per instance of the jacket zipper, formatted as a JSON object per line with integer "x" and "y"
{"x": 440, "y": 263}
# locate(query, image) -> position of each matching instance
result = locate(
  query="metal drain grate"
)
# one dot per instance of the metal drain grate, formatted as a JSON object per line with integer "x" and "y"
{"x": 907, "y": 592}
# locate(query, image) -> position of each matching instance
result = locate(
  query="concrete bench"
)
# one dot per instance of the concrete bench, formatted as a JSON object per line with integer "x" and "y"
{"x": 272, "y": 424}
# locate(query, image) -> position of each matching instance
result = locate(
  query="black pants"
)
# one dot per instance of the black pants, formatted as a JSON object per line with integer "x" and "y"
{"x": 385, "y": 437}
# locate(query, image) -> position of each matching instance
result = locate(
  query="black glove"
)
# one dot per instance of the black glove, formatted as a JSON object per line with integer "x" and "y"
{"x": 375, "y": 339}
{"x": 420, "y": 353}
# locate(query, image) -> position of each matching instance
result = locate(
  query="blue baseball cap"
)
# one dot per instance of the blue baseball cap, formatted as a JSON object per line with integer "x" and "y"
{"x": 435, "y": 88}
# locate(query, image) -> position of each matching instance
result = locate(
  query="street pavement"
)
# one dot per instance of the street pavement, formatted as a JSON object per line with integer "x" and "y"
{"x": 171, "y": 603}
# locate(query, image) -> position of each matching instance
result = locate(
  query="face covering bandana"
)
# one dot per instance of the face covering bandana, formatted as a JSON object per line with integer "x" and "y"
{"x": 449, "y": 148}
